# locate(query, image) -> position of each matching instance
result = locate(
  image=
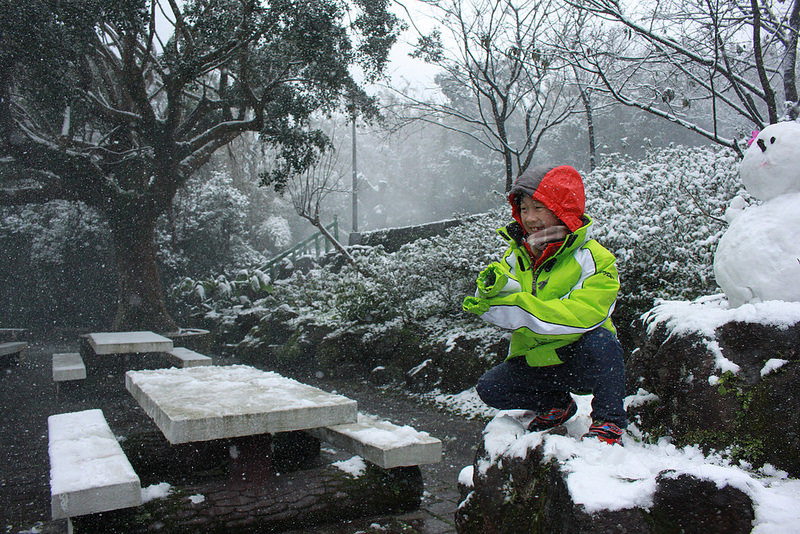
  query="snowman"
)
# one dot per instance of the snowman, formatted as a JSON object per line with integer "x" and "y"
{"x": 758, "y": 256}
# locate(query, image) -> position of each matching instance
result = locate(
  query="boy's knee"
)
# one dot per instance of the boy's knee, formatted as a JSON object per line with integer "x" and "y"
{"x": 483, "y": 388}
{"x": 602, "y": 345}
{"x": 491, "y": 391}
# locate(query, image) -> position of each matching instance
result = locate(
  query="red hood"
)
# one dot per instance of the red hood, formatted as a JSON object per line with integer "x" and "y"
{"x": 560, "y": 189}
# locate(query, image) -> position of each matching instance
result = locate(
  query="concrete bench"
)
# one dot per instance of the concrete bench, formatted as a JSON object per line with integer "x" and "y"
{"x": 184, "y": 357}
{"x": 382, "y": 443}
{"x": 10, "y": 351}
{"x": 68, "y": 366}
{"x": 89, "y": 472}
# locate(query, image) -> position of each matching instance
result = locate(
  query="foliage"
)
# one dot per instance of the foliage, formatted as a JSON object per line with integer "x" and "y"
{"x": 130, "y": 111}
{"x": 206, "y": 230}
{"x": 58, "y": 253}
{"x": 56, "y": 267}
{"x": 661, "y": 216}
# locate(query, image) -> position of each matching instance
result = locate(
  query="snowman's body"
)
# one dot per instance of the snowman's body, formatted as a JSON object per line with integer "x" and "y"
{"x": 758, "y": 257}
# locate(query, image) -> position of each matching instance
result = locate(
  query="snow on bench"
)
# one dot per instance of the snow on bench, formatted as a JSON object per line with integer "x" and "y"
{"x": 89, "y": 471}
{"x": 382, "y": 443}
{"x": 11, "y": 350}
{"x": 188, "y": 358}
{"x": 68, "y": 366}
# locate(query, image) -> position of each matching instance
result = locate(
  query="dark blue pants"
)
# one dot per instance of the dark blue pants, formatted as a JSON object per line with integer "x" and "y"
{"x": 593, "y": 364}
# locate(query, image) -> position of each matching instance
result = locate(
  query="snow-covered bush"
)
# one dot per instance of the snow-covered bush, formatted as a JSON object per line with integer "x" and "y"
{"x": 662, "y": 216}
{"x": 57, "y": 266}
{"x": 206, "y": 231}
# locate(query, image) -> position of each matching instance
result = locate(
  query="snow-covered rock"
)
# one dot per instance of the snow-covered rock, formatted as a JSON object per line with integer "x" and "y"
{"x": 723, "y": 377}
{"x": 548, "y": 482}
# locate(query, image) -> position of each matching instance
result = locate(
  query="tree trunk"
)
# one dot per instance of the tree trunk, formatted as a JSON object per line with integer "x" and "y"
{"x": 587, "y": 105}
{"x": 790, "y": 70}
{"x": 140, "y": 295}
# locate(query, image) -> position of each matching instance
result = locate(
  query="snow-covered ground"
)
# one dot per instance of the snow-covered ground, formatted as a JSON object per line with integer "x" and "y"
{"x": 604, "y": 477}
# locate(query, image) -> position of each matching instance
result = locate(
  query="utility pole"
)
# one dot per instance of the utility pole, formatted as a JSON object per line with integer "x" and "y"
{"x": 355, "y": 174}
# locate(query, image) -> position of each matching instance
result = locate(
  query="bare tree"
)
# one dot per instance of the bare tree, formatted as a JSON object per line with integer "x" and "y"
{"x": 503, "y": 85}
{"x": 309, "y": 189}
{"x": 727, "y": 57}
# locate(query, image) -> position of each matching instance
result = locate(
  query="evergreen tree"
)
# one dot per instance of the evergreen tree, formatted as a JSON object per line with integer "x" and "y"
{"x": 100, "y": 103}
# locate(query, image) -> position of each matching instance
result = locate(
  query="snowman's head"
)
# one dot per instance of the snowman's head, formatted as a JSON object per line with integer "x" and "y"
{"x": 771, "y": 165}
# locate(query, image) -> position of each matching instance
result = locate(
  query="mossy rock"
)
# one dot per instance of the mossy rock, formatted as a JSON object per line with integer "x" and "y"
{"x": 772, "y": 419}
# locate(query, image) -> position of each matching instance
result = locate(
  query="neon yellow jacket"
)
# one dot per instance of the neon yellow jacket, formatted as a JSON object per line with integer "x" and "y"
{"x": 575, "y": 291}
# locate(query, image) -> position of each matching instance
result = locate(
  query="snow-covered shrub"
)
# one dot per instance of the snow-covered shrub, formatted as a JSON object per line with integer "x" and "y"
{"x": 662, "y": 216}
{"x": 57, "y": 266}
{"x": 206, "y": 230}
{"x": 276, "y": 229}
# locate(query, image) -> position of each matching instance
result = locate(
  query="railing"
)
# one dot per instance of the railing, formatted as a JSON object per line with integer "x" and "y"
{"x": 313, "y": 244}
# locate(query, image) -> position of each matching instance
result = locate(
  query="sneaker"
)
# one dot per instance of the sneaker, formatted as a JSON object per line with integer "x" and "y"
{"x": 552, "y": 418}
{"x": 606, "y": 432}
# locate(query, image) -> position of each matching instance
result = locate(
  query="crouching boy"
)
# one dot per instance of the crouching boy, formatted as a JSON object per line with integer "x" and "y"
{"x": 555, "y": 289}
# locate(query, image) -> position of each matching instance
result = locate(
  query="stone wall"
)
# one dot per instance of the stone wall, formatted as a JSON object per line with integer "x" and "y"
{"x": 394, "y": 238}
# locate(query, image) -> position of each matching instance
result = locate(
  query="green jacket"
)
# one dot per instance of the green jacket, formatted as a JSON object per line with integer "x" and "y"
{"x": 575, "y": 291}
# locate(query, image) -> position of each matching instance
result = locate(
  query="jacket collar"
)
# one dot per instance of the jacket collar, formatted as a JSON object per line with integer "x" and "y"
{"x": 514, "y": 235}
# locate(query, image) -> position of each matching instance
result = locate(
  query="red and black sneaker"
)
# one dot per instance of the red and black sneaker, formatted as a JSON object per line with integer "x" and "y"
{"x": 606, "y": 432}
{"x": 552, "y": 418}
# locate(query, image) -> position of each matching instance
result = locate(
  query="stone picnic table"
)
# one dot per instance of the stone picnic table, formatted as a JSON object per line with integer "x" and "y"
{"x": 249, "y": 413}
{"x": 128, "y": 342}
{"x": 216, "y": 402}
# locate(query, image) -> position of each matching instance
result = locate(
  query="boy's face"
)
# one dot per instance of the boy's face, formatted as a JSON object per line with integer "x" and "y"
{"x": 535, "y": 216}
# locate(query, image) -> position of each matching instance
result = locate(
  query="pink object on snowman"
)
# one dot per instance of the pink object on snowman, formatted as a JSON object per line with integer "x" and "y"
{"x": 758, "y": 257}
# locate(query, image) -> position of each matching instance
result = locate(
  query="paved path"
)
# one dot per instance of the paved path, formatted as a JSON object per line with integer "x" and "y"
{"x": 28, "y": 397}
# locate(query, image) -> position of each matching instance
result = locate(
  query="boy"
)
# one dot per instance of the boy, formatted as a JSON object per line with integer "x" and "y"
{"x": 555, "y": 288}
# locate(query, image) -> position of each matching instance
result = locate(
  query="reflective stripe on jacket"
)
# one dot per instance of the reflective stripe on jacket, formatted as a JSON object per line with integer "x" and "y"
{"x": 575, "y": 291}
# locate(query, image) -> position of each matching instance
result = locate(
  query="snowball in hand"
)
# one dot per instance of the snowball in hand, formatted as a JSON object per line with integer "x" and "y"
{"x": 771, "y": 165}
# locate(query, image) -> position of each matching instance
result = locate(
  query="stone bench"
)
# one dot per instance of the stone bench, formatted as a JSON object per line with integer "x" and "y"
{"x": 184, "y": 357}
{"x": 68, "y": 366}
{"x": 10, "y": 351}
{"x": 89, "y": 472}
{"x": 382, "y": 443}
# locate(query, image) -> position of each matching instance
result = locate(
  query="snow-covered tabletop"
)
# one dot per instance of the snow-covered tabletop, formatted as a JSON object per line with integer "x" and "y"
{"x": 213, "y": 402}
{"x": 128, "y": 342}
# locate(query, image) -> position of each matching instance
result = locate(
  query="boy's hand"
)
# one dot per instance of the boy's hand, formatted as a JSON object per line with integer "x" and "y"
{"x": 475, "y": 305}
{"x": 491, "y": 280}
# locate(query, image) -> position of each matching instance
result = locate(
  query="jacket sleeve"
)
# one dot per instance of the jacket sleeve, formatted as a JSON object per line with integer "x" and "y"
{"x": 584, "y": 307}
{"x": 496, "y": 280}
